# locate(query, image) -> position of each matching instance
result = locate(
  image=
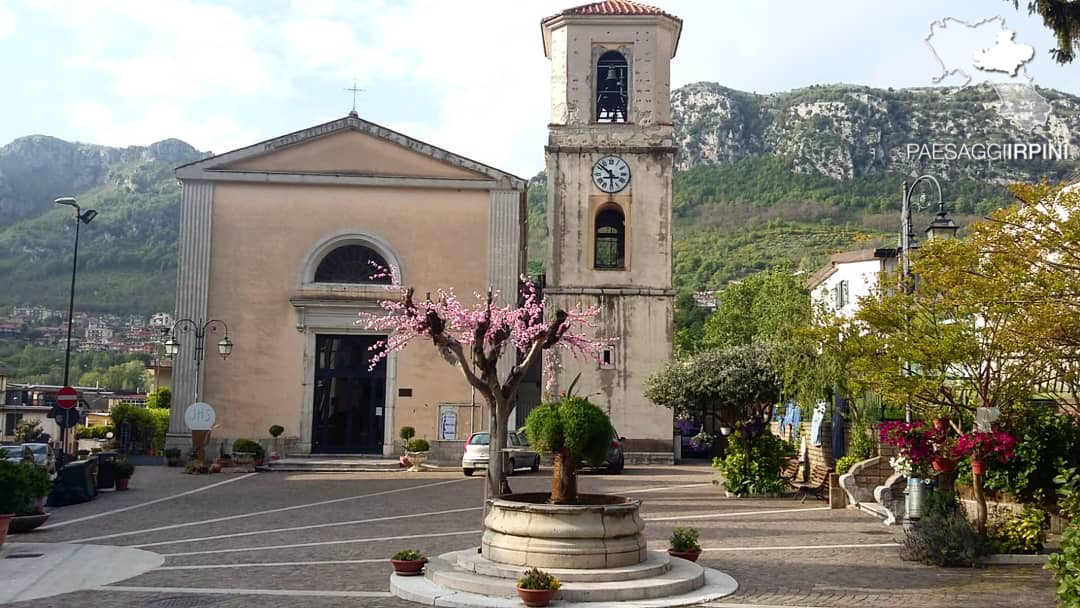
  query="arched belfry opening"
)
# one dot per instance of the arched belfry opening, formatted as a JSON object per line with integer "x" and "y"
{"x": 612, "y": 83}
{"x": 610, "y": 239}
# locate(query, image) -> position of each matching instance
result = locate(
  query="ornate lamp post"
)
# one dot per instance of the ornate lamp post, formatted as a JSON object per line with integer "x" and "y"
{"x": 81, "y": 217}
{"x": 224, "y": 346}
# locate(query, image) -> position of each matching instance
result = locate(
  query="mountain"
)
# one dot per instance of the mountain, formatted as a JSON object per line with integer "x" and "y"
{"x": 762, "y": 180}
{"x": 127, "y": 255}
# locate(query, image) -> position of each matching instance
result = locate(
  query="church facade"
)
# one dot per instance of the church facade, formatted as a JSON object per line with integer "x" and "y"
{"x": 282, "y": 242}
{"x": 278, "y": 240}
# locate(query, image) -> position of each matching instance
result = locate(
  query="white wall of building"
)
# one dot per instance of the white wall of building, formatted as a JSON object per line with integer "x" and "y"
{"x": 855, "y": 280}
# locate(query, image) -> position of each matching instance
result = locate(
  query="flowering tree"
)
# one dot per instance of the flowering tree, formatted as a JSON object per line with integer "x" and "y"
{"x": 473, "y": 339}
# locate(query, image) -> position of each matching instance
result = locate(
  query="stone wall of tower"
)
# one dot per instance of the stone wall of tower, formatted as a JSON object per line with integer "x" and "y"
{"x": 637, "y": 301}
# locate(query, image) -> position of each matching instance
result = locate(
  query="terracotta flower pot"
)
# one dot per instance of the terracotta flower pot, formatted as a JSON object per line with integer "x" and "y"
{"x": 122, "y": 484}
{"x": 943, "y": 465}
{"x": 408, "y": 567}
{"x": 536, "y": 597}
{"x": 978, "y": 467}
{"x": 687, "y": 555}
{"x": 26, "y": 523}
{"x": 4, "y": 521}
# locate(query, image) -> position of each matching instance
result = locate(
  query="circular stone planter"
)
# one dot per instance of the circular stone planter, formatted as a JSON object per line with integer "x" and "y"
{"x": 603, "y": 532}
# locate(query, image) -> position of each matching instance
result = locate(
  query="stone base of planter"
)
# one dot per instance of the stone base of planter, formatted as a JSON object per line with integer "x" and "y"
{"x": 464, "y": 579}
{"x": 522, "y": 529}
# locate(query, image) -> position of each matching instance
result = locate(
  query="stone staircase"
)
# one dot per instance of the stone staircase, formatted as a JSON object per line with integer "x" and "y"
{"x": 872, "y": 486}
{"x": 334, "y": 463}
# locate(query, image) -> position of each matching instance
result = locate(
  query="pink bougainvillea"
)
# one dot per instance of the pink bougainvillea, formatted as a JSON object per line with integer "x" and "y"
{"x": 983, "y": 445}
{"x": 914, "y": 440}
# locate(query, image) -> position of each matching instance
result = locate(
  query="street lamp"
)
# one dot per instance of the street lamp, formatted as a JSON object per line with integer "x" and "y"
{"x": 81, "y": 217}
{"x": 224, "y": 346}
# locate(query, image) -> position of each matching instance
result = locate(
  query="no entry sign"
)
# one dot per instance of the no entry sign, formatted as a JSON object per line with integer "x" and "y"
{"x": 67, "y": 398}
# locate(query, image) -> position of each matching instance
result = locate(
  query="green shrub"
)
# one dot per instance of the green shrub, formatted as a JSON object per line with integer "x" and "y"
{"x": 417, "y": 445}
{"x": 276, "y": 430}
{"x": 1023, "y": 532}
{"x": 148, "y": 424}
{"x": 537, "y": 579}
{"x": 93, "y": 432}
{"x": 124, "y": 469}
{"x": 160, "y": 398}
{"x": 861, "y": 442}
{"x": 22, "y": 484}
{"x": 408, "y": 555}
{"x": 196, "y": 467}
{"x": 1066, "y": 567}
{"x": 249, "y": 447}
{"x": 574, "y": 425}
{"x": 1046, "y": 442}
{"x": 843, "y": 465}
{"x": 406, "y": 433}
{"x": 756, "y": 472}
{"x": 684, "y": 539}
{"x": 944, "y": 539}
{"x": 1068, "y": 493}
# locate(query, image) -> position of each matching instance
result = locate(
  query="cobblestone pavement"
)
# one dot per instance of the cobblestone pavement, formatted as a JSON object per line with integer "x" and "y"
{"x": 322, "y": 540}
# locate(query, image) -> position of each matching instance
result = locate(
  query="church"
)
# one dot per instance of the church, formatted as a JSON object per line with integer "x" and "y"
{"x": 279, "y": 241}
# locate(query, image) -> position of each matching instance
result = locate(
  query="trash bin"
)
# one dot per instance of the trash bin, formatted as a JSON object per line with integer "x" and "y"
{"x": 106, "y": 470}
{"x": 73, "y": 484}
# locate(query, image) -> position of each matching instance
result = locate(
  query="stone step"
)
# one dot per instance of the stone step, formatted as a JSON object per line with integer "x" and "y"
{"x": 424, "y": 590}
{"x": 333, "y": 464}
{"x": 682, "y": 577}
{"x": 469, "y": 560}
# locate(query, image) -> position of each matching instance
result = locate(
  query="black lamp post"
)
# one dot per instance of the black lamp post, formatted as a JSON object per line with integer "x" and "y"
{"x": 224, "y": 346}
{"x": 81, "y": 217}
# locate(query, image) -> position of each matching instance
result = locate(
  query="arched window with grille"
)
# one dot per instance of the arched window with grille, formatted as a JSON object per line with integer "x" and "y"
{"x": 612, "y": 85}
{"x": 353, "y": 264}
{"x": 610, "y": 239}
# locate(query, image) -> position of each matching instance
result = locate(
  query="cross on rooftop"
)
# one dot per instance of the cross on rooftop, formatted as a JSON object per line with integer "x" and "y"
{"x": 354, "y": 92}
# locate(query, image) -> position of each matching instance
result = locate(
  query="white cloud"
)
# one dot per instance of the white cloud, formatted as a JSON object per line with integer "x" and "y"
{"x": 97, "y": 123}
{"x": 7, "y": 23}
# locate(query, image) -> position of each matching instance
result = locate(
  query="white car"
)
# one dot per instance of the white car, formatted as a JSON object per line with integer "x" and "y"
{"x": 517, "y": 446}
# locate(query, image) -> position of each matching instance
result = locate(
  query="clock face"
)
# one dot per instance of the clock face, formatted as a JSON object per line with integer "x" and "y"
{"x": 611, "y": 174}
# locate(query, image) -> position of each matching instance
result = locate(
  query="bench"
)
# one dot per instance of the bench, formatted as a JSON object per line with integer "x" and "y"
{"x": 818, "y": 485}
{"x": 789, "y": 471}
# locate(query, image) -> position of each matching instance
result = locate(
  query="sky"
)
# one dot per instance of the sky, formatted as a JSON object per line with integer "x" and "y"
{"x": 467, "y": 75}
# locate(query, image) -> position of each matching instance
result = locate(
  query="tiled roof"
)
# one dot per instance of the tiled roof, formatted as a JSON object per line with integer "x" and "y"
{"x": 614, "y": 7}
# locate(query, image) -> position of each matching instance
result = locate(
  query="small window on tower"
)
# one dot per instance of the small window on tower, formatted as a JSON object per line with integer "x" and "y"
{"x": 610, "y": 239}
{"x": 611, "y": 86}
{"x": 607, "y": 358}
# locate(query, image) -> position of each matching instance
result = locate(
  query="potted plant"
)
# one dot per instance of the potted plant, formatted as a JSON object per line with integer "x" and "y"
{"x": 275, "y": 432}
{"x": 409, "y": 562}
{"x": 684, "y": 544}
{"x": 172, "y": 457}
{"x": 23, "y": 487}
{"x": 537, "y": 588}
{"x": 405, "y": 433}
{"x": 124, "y": 471}
{"x": 981, "y": 445}
{"x": 248, "y": 452}
{"x": 417, "y": 450}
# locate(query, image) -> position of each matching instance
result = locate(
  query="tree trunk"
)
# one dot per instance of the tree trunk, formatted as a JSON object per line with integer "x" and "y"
{"x": 496, "y": 479}
{"x": 980, "y": 503}
{"x": 564, "y": 479}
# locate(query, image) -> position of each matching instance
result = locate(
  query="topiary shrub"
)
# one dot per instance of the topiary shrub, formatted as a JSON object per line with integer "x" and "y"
{"x": 248, "y": 446}
{"x": 22, "y": 486}
{"x": 276, "y": 431}
{"x": 574, "y": 430}
{"x": 418, "y": 445}
{"x": 406, "y": 433}
{"x": 1066, "y": 566}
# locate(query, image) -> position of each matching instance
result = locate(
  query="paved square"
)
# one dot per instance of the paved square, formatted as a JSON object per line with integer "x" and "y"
{"x": 284, "y": 539}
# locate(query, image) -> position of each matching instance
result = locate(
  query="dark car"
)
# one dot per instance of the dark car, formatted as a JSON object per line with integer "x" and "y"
{"x": 615, "y": 461}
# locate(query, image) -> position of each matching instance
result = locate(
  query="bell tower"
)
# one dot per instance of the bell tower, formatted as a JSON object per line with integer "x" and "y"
{"x": 610, "y": 160}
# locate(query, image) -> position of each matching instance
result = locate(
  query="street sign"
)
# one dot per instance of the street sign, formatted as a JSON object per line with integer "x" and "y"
{"x": 199, "y": 416}
{"x": 67, "y": 398}
{"x": 66, "y": 419}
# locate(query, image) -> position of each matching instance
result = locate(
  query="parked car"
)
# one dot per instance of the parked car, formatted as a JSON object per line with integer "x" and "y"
{"x": 43, "y": 455}
{"x": 476, "y": 453}
{"x": 616, "y": 460}
{"x": 11, "y": 453}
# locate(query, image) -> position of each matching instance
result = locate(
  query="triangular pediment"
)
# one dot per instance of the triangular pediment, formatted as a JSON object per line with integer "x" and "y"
{"x": 349, "y": 147}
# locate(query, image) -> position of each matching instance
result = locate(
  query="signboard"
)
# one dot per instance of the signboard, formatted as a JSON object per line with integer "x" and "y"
{"x": 67, "y": 398}
{"x": 199, "y": 416}
{"x": 448, "y": 421}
